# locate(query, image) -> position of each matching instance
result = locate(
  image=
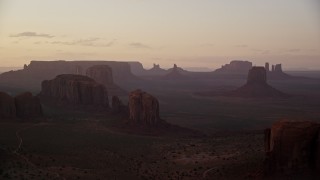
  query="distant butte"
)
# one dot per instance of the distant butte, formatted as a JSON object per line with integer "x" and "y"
{"x": 256, "y": 87}
{"x": 103, "y": 75}
{"x": 175, "y": 73}
{"x": 235, "y": 66}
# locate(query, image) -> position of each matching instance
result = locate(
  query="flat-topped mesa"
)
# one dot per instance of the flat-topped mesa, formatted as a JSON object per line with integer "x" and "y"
{"x": 28, "y": 106}
{"x": 143, "y": 109}
{"x": 236, "y": 66}
{"x": 37, "y": 71}
{"x": 292, "y": 147}
{"x": 7, "y": 106}
{"x": 257, "y": 75}
{"x": 101, "y": 74}
{"x": 75, "y": 89}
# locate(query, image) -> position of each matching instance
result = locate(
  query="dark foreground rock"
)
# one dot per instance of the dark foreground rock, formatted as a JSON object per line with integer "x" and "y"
{"x": 76, "y": 90}
{"x": 118, "y": 107}
{"x": 28, "y": 106}
{"x": 7, "y": 106}
{"x": 23, "y": 106}
{"x": 292, "y": 148}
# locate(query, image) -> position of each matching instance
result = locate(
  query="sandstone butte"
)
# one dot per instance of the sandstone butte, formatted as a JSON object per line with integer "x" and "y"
{"x": 257, "y": 86}
{"x": 75, "y": 89}
{"x": 292, "y": 147}
{"x": 143, "y": 109}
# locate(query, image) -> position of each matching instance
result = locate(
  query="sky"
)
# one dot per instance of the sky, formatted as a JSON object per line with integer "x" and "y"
{"x": 190, "y": 33}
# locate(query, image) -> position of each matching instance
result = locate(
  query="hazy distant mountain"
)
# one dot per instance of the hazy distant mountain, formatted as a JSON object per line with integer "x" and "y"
{"x": 235, "y": 66}
{"x": 198, "y": 69}
{"x": 6, "y": 69}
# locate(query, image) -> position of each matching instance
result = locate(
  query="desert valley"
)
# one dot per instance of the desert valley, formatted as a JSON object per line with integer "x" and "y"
{"x": 117, "y": 120}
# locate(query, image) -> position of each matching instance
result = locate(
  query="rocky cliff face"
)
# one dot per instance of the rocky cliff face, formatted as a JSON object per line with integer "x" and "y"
{"x": 236, "y": 66}
{"x": 292, "y": 147}
{"x": 37, "y": 71}
{"x": 143, "y": 109}
{"x": 23, "y": 106}
{"x": 103, "y": 75}
{"x": 75, "y": 89}
{"x": 257, "y": 75}
{"x": 28, "y": 106}
{"x": 257, "y": 86}
{"x": 7, "y": 106}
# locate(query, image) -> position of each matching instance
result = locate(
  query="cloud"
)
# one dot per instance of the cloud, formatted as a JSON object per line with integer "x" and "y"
{"x": 139, "y": 45}
{"x": 262, "y": 51}
{"x": 94, "y": 42}
{"x": 241, "y": 46}
{"x": 207, "y": 45}
{"x": 32, "y": 34}
{"x": 293, "y": 50}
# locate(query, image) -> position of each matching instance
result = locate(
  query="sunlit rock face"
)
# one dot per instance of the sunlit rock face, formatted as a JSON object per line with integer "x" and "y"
{"x": 292, "y": 147}
{"x": 75, "y": 89}
{"x": 7, "y": 106}
{"x": 143, "y": 109}
{"x": 28, "y": 106}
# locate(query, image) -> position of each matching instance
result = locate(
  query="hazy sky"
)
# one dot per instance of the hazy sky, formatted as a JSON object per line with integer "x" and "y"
{"x": 191, "y": 33}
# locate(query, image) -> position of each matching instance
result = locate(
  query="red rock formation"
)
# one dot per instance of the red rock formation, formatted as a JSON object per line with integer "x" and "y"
{"x": 103, "y": 75}
{"x": 257, "y": 75}
{"x": 7, "y": 106}
{"x": 28, "y": 106}
{"x": 143, "y": 109}
{"x": 257, "y": 86}
{"x": 291, "y": 147}
{"x": 75, "y": 89}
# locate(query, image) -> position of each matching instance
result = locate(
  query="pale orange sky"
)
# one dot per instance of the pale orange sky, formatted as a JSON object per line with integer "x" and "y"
{"x": 203, "y": 33}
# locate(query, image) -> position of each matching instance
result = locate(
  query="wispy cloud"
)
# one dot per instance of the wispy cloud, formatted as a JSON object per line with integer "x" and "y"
{"x": 32, "y": 34}
{"x": 207, "y": 45}
{"x": 262, "y": 51}
{"x": 94, "y": 42}
{"x": 241, "y": 46}
{"x": 293, "y": 50}
{"x": 139, "y": 45}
